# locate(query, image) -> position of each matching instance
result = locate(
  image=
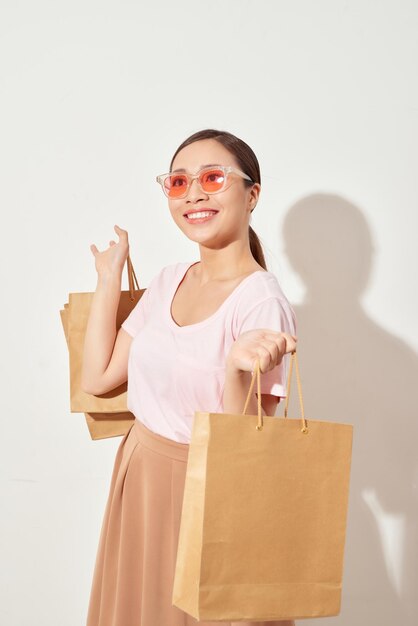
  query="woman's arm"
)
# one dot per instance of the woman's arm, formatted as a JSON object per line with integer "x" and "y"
{"x": 100, "y": 332}
{"x": 105, "y": 361}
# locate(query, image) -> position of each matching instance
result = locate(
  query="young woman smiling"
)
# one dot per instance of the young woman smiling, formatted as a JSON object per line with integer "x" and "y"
{"x": 190, "y": 344}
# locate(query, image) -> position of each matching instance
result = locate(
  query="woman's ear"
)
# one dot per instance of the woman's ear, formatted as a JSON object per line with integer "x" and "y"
{"x": 254, "y": 194}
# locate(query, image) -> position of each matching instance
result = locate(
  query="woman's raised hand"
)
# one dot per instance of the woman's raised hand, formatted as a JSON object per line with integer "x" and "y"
{"x": 268, "y": 346}
{"x": 112, "y": 260}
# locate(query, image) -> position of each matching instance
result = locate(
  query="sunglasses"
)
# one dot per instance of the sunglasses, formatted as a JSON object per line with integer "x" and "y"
{"x": 210, "y": 179}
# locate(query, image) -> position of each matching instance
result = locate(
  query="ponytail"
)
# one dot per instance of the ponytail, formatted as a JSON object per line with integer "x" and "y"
{"x": 256, "y": 248}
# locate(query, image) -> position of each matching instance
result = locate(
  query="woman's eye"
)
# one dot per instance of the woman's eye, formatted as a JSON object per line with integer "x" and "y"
{"x": 177, "y": 182}
{"x": 214, "y": 177}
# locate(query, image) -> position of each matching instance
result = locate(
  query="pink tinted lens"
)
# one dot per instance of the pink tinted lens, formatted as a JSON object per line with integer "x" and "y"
{"x": 175, "y": 185}
{"x": 212, "y": 180}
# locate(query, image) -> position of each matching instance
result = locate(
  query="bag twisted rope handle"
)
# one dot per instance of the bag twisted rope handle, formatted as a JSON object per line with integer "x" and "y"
{"x": 293, "y": 358}
{"x": 131, "y": 278}
{"x": 256, "y": 373}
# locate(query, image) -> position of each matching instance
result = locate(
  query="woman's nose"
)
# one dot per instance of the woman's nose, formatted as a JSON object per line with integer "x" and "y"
{"x": 195, "y": 191}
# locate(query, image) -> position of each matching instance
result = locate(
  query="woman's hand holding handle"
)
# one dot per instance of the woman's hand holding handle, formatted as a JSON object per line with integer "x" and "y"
{"x": 268, "y": 346}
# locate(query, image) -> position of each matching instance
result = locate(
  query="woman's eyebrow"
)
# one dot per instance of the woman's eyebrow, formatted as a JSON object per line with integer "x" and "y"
{"x": 181, "y": 169}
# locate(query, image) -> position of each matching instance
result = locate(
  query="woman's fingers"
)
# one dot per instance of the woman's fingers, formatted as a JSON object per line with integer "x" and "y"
{"x": 285, "y": 341}
{"x": 262, "y": 344}
{"x": 123, "y": 234}
{"x": 267, "y": 356}
{"x": 273, "y": 347}
{"x": 290, "y": 342}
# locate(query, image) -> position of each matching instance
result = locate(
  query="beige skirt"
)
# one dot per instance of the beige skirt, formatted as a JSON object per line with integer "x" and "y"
{"x": 134, "y": 570}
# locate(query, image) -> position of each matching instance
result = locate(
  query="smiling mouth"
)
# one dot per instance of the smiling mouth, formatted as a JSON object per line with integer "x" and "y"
{"x": 212, "y": 211}
{"x": 200, "y": 217}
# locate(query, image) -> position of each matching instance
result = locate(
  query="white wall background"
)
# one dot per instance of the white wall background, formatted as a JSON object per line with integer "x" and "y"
{"x": 95, "y": 97}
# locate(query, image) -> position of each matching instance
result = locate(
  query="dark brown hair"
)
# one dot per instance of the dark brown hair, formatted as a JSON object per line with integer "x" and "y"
{"x": 248, "y": 163}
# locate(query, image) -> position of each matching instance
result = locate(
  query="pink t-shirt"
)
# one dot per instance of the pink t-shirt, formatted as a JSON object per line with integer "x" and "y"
{"x": 175, "y": 370}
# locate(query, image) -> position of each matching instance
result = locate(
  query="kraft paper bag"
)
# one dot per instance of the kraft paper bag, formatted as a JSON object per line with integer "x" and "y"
{"x": 264, "y": 514}
{"x": 106, "y": 415}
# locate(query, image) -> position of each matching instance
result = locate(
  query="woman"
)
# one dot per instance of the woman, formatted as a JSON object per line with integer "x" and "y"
{"x": 189, "y": 344}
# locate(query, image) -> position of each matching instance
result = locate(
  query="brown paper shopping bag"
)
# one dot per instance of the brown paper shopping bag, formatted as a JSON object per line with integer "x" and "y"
{"x": 264, "y": 515}
{"x": 106, "y": 415}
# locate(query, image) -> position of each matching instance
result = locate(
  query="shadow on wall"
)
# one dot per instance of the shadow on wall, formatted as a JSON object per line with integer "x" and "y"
{"x": 354, "y": 371}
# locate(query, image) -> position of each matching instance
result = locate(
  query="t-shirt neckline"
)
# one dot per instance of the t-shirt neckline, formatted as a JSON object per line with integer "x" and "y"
{"x": 218, "y": 311}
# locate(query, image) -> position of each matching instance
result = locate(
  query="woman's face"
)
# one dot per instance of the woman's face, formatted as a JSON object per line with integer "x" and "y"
{"x": 233, "y": 205}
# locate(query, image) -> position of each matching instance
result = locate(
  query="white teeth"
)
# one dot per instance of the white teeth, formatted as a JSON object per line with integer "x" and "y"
{"x": 193, "y": 216}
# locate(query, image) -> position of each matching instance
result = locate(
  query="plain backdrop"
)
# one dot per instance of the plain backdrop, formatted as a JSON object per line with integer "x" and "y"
{"x": 95, "y": 97}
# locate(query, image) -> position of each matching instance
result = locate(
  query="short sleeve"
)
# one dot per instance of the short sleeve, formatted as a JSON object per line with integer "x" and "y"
{"x": 275, "y": 314}
{"x": 138, "y": 316}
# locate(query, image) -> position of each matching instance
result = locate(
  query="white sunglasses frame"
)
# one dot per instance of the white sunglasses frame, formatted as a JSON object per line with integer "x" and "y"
{"x": 227, "y": 169}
